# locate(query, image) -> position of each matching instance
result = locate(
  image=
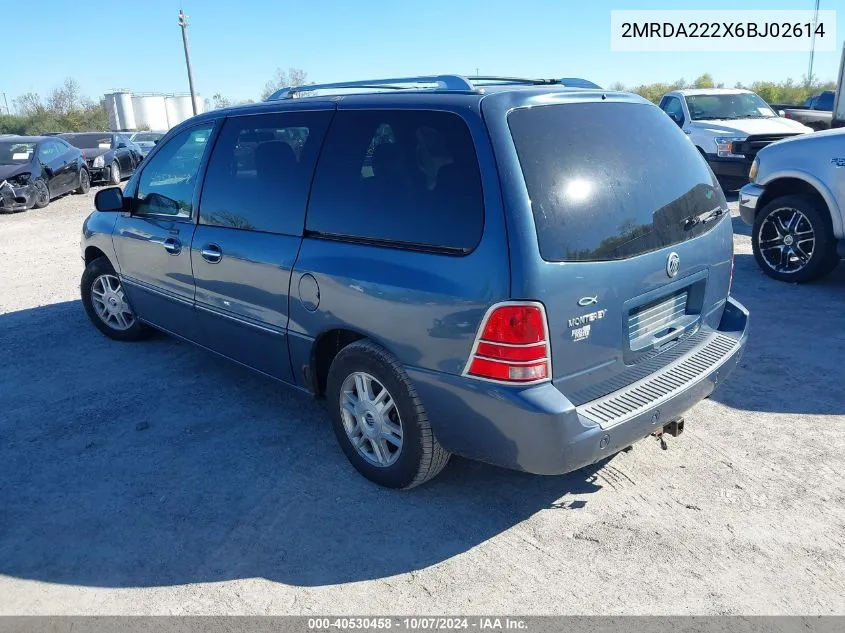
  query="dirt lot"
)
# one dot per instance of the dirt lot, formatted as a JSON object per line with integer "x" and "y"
{"x": 156, "y": 478}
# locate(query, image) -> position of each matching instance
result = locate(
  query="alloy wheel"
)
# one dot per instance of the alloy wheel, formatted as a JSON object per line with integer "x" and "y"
{"x": 786, "y": 240}
{"x": 110, "y": 303}
{"x": 371, "y": 419}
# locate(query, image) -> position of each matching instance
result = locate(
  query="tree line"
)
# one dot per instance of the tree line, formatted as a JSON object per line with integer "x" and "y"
{"x": 64, "y": 109}
{"x": 780, "y": 92}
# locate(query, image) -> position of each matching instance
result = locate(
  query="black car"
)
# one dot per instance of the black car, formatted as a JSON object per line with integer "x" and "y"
{"x": 36, "y": 169}
{"x": 111, "y": 156}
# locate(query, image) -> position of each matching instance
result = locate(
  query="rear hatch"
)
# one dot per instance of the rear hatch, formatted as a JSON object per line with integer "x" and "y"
{"x": 632, "y": 247}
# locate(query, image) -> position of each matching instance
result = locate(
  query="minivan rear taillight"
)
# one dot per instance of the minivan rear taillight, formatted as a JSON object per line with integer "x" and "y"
{"x": 512, "y": 345}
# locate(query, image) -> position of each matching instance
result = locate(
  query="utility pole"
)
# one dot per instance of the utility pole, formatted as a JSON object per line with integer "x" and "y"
{"x": 813, "y": 45}
{"x": 6, "y": 101}
{"x": 183, "y": 23}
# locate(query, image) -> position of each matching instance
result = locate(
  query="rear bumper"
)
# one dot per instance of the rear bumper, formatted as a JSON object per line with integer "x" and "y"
{"x": 16, "y": 198}
{"x": 538, "y": 430}
{"x": 748, "y": 197}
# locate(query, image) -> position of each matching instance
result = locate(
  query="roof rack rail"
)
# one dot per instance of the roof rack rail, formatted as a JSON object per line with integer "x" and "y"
{"x": 570, "y": 82}
{"x": 443, "y": 82}
{"x": 493, "y": 79}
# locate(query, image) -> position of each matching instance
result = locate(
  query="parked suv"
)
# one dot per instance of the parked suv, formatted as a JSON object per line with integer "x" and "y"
{"x": 795, "y": 203}
{"x": 520, "y": 273}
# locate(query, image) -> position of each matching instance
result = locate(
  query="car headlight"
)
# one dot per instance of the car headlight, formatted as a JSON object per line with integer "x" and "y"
{"x": 724, "y": 146}
{"x": 99, "y": 161}
{"x": 752, "y": 173}
{"x": 20, "y": 179}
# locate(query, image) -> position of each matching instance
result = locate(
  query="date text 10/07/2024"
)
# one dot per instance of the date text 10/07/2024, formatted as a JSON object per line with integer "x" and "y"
{"x": 417, "y": 624}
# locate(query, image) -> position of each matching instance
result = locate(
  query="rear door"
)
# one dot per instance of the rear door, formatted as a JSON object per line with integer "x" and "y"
{"x": 123, "y": 155}
{"x": 250, "y": 227}
{"x": 50, "y": 155}
{"x": 631, "y": 246}
{"x": 72, "y": 162}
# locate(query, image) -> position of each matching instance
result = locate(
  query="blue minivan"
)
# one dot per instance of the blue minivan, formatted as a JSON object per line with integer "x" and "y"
{"x": 514, "y": 271}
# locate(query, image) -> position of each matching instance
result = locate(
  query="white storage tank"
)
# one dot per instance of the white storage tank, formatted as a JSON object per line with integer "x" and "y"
{"x": 125, "y": 113}
{"x": 179, "y": 109}
{"x": 111, "y": 110}
{"x": 150, "y": 112}
{"x": 154, "y": 111}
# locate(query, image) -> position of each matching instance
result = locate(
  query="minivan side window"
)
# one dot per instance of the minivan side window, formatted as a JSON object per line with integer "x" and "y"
{"x": 260, "y": 171}
{"x": 404, "y": 178}
{"x": 166, "y": 186}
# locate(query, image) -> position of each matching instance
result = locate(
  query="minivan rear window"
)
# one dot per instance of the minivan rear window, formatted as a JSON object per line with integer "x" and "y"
{"x": 609, "y": 180}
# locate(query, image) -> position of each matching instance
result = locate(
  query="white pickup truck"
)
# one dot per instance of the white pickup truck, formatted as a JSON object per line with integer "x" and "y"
{"x": 728, "y": 126}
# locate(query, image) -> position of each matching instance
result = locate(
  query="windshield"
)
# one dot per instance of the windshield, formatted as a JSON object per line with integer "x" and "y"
{"x": 89, "y": 141}
{"x": 744, "y": 105}
{"x": 148, "y": 137}
{"x": 16, "y": 153}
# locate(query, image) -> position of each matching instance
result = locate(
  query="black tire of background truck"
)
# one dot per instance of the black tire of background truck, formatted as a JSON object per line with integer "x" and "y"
{"x": 422, "y": 457}
{"x": 824, "y": 258}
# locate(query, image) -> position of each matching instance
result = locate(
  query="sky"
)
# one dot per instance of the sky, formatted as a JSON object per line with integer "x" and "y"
{"x": 236, "y": 45}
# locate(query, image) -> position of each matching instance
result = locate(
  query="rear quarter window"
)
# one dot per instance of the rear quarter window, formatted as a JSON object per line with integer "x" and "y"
{"x": 610, "y": 180}
{"x": 403, "y": 178}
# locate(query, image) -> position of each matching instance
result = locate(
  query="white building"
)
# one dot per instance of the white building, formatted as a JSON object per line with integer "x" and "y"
{"x": 148, "y": 111}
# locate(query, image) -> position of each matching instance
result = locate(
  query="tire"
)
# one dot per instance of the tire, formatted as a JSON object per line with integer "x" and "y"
{"x": 42, "y": 195}
{"x": 793, "y": 240}
{"x": 84, "y": 181}
{"x": 114, "y": 173}
{"x": 90, "y": 289}
{"x": 419, "y": 457}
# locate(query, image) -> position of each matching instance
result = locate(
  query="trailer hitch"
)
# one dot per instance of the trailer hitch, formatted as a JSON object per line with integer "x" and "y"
{"x": 673, "y": 428}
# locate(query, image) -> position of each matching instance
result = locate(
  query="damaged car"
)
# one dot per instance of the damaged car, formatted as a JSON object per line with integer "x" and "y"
{"x": 36, "y": 169}
{"x": 111, "y": 156}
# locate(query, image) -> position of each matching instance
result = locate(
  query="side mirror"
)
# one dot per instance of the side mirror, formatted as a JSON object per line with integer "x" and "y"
{"x": 109, "y": 199}
{"x": 155, "y": 142}
{"x": 781, "y": 113}
{"x": 121, "y": 146}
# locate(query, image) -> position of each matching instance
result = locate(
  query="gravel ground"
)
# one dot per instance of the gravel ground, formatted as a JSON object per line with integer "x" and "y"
{"x": 154, "y": 478}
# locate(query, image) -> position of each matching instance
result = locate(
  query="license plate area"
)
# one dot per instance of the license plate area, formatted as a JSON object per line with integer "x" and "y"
{"x": 661, "y": 318}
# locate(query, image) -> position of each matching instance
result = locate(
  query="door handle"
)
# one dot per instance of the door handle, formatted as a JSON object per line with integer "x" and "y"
{"x": 172, "y": 246}
{"x": 211, "y": 253}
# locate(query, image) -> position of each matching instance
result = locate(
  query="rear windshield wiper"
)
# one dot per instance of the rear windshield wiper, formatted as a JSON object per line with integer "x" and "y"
{"x": 702, "y": 218}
